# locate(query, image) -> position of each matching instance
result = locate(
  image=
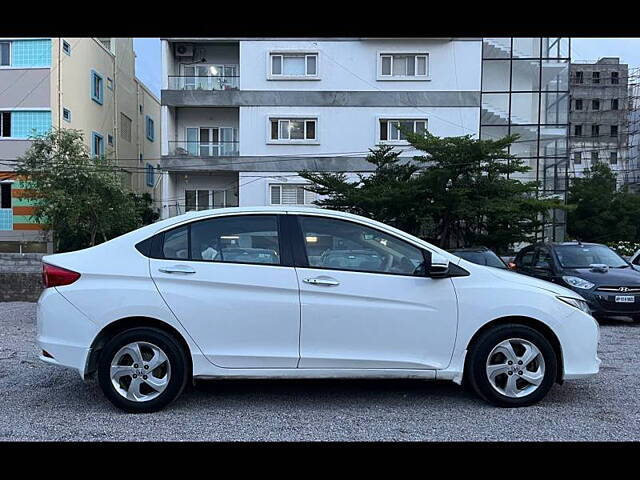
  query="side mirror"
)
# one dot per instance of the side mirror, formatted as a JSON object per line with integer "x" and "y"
{"x": 438, "y": 266}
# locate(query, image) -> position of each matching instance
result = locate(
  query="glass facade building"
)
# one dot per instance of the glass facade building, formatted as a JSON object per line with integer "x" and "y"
{"x": 525, "y": 91}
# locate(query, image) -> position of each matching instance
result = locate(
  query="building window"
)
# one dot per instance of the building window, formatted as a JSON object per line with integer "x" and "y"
{"x": 205, "y": 199}
{"x": 403, "y": 66}
{"x": 577, "y": 130}
{"x": 31, "y": 53}
{"x": 66, "y": 115}
{"x": 595, "y": 130}
{"x": 595, "y": 77}
{"x": 594, "y": 157}
{"x": 66, "y": 47}
{"x": 614, "y": 130}
{"x": 294, "y": 65}
{"x": 110, "y": 139}
{"x": 290, "y": 195}
{"x": 390, "y": 129}
{"x": 150, "y": 175}
{"x": 5, "y": 54}
{"x": 140, "y": 109}
{"x": 5, "y": 124}
{"x": 97, "y": 87}
{"x": 5, "y": 195}
{"x": 595, "y": 104}
{"x": 29, "y": 124}
{"x": 125, "y": 127}
{"x": 613, "y": 158}
{"x": 293, "y": 130}
{"x": 578, "y": 104}
{"x": 6, "y": 212}
{"x": 210, "y": 141}
{"x": 109, "y": 83}
{"x": 97, "y": 144}
{"x": 150, "y": 128}
{"x": 577, "y": 158}
{"x": 579, "y": 77}
{"x": 615, "y": 78}
{"x": 614, "y": 104}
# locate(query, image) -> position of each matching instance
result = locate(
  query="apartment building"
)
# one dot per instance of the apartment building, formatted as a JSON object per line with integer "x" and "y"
{"x": 88, "y": 84}
{"x": 240, "y": 117}
{"x": 599, "y": 116}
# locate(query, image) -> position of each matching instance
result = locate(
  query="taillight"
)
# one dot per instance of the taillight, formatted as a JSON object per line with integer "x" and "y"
{"x": 56, "y": 276}
{"x": 511, "y": 265}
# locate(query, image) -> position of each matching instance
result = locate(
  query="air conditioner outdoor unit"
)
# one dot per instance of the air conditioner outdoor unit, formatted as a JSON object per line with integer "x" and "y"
{"x": 184, "y": 50}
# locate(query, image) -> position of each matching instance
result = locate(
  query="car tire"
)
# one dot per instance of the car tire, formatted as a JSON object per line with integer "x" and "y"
{"x": 143, "y": 379}
{"x": 506, "y": 385}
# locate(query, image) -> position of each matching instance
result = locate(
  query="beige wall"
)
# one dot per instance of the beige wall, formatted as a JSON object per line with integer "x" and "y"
{"x": 73, "y": 74}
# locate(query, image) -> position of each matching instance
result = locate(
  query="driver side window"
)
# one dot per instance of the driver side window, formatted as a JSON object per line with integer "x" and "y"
{"x": 343, "y": 245}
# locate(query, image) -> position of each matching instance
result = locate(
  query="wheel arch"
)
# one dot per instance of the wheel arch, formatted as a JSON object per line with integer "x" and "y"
{"x": 114, "y": 328}
{"x": 541, "y": 327}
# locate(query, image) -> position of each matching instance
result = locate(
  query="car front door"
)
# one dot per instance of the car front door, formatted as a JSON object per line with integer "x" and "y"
{"x": 363, "y": 302}
{"x": 228, "y": 281}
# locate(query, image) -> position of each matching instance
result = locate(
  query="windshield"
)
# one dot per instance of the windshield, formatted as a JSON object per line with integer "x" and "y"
{"x": 576, "y": 256}
{"x": 487, "y": 258}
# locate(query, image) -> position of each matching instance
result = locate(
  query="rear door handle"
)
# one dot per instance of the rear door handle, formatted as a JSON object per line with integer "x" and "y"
{"x": 177, "y": 269}
{"x": 322, "y": 281}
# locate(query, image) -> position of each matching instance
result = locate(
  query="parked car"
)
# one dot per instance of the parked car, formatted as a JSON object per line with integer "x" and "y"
{"x": 480, "y": 256}
{"x": 345, "y": 296}
{"x": 609, "y": 284}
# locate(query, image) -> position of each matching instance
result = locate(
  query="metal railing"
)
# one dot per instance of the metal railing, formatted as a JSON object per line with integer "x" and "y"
{"x": 182, "y": 82}
{"x": 204, "y": 149}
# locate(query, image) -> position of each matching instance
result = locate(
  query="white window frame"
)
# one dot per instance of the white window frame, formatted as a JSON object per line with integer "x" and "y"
{"x": 10, "y": 54}
{"x": 391, "y": 77}
{"x": 399, "y": 118}
{"x": 212, "y": 145}
{"x": 305, "y": 141}
{"x": 193, "y": 85}
{"x": 283, "y": 53}
{"x": 309, "y": 197}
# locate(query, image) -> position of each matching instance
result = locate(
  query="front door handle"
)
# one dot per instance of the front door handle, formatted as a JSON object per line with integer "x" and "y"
{"x": 177, "y": 269}
{"x": 323, "y": 281}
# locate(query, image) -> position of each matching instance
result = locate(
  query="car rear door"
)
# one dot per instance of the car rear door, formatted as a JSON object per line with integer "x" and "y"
{"x": 242, "y": 309}
{"x": 362, "y": 303}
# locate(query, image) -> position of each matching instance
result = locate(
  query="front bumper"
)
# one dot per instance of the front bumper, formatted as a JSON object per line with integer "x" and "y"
{"x": 63, "y": 332}
{"x": 603, "y": 304}
{"x": 579, "y": 336}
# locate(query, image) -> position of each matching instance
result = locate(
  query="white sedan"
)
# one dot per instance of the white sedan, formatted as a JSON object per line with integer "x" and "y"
{"x": 302, "y": 293}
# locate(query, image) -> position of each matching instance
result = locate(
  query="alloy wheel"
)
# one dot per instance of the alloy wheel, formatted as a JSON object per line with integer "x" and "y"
{"x": 515, "y": 367}
{"x": 140, "y": 371}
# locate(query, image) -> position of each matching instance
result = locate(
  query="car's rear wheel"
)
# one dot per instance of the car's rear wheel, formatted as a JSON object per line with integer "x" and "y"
{"x": 512, "y": 366}
{"x": 142, "y": 370}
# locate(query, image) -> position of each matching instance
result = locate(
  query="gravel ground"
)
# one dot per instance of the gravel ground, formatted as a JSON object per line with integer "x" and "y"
{"x": 43, "y": 402}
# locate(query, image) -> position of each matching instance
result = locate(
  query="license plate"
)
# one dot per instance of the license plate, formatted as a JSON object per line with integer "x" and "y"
{"x": 625, "y": 299}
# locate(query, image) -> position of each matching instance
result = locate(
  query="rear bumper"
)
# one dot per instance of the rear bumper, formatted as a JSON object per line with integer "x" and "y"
{"x": 63, "y": 332}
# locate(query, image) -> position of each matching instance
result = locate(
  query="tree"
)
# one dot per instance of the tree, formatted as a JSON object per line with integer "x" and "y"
{"x": 600, "y": 213}
{"x": 79, "y": 197}
{"x": 456, "y": 194}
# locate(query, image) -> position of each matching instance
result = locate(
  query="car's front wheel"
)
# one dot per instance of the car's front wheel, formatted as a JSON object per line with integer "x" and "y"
{"x": 512, "y": 366}
{"x": 142, "y": 370}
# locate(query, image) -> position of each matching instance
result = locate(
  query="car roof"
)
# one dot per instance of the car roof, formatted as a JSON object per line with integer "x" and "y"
{"x": 470, "y": 249}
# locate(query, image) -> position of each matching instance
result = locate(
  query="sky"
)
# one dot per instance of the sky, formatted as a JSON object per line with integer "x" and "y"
{"x": 148, "y": 67}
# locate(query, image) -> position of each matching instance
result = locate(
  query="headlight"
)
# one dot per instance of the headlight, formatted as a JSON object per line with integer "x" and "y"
{"x": 579, "y": 304}
{"x": 578, "y": 282}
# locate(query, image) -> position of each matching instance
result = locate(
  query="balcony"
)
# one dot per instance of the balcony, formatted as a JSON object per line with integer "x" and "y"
{"x": 204, "y": 83}
{"x": 204, "y": 149}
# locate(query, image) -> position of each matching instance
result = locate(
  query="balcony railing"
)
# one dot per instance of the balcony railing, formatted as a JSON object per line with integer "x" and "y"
{"x": 181, "y": 82}
{"x": 204, "y": 149}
